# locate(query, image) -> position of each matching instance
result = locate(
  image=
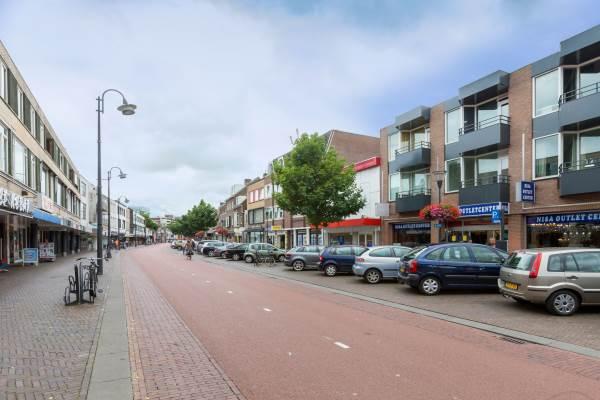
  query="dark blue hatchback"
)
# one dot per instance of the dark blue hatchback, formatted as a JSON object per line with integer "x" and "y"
{"x": 451, "y": 265}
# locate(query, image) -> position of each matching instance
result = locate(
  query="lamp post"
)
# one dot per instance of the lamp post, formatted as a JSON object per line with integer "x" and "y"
{"x": 122, "y": 175}
{"x": 126, "y": 109}
{"x": 439, "y": 180}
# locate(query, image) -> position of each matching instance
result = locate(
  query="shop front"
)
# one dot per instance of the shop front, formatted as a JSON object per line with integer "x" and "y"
{"x": 18, "y": 231}
{"x": 411, "y": 234}
{"x": 475, "y": 224}
{"x": 277, "y": 236}
{"x": 255, "y": 235}
{"x": 357, "y": 231}
{"x": 579, "y": 229}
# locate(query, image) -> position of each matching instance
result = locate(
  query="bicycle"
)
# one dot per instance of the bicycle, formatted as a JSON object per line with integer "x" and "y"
{"x": 85, "y": 279}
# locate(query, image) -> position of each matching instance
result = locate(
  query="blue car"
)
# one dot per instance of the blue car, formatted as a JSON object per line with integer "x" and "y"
{"x": 451, "y": 265}
{"x": 335, "y": 259}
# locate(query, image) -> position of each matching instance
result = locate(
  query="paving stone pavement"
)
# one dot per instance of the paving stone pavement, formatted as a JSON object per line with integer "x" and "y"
{"x": 45, "y": 347}
{"x": 167, "y": 360}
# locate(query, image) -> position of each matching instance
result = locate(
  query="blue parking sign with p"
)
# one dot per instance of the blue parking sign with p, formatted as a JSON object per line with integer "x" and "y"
{"x": 496, "y": 216}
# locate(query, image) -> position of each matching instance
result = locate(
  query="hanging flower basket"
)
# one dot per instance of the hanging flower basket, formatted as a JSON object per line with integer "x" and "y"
{"x": 439, "y": 212}
{"x": 221, "y": 231}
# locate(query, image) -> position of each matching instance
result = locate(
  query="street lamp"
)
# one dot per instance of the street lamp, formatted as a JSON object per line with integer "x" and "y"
{"x": 121, "y": 175}
{"x": 439, "y": 180}
{"x": 126, "y": 109}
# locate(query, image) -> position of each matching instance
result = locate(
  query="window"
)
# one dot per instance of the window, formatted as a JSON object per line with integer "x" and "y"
{"x": 400, "y": 251}
{"x": 268, "y": 191}
{"x": 33, "y": 171}
{"x": 456, "y": 253}
{"x": 27, "y": 114}
{"x": 570, "y": 264}
{"x": 268, "y": 213}
{"x": 555, "y": 264}
{"x": 589, "y": 74}
{"x": 343, "y": 251}
{"x": 393, "y": 144}
{"x": 383, "y": 252}
{"x": 83, "y": 188}
{"x": 3, "y": 77}
{"x": 414, "y": 182}
{"x": 588, "y": 262}
{"x": 485, "y": 255}
{"x": 394, "y": 185}
{"x": 3, "y": 148}
{"x": 453, "y": 175}
{"x": 12, "y": 92}
{"x": 358, "y": 250}
{"x": 44, "y": 180}
{"x": 486, "y": 114}
{"x": 452, "y": 125}
{"x": 20, "y": 103}
{"x": 546, "y": 93}
{"x": 589, "y": 144}
{"x": 546, "y": 156}
{"x": 435, "y": 254}
{"x": 20, "y": 161}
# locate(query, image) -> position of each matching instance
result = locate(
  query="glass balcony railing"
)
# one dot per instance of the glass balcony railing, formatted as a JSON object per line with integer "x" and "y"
{"x": 575, "y": 94}
{"x": 414, "y": 192}
{"x": 579, "y": 165}
{"x": 498, "y": 119}
{"x": 485, "y": 180}
{"x": 413, "y": 146}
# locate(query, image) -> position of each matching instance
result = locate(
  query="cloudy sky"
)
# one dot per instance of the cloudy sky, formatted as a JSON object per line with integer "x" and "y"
{"x": 221, "y": 85}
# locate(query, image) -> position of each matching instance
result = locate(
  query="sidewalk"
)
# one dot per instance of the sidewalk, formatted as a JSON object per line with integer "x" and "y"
{"x": 45, "y": 347}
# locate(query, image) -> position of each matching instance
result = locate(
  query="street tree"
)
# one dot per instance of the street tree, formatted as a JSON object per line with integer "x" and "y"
{"x": 316, "y": 182}
{"x": 201, "y": 217}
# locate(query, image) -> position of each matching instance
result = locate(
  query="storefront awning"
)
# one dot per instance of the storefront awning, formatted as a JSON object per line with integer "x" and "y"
{"x": 44, "y": 216}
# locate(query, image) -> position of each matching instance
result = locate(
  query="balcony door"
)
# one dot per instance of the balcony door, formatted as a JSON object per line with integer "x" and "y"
{"x": 413, "y": 139}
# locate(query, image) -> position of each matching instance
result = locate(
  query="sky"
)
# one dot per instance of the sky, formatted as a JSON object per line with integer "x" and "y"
{"x": 221, "y": 85}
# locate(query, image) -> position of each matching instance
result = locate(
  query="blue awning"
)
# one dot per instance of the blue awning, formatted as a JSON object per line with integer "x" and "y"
{"x": 45, "y": 216}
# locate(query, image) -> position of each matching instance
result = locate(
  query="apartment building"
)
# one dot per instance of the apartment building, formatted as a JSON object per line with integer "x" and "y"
{"x": 232, "y": 212}
{"x": 39, "y": 184}
{"x": 525, "y": 142}
{"x": 255, "y": 211}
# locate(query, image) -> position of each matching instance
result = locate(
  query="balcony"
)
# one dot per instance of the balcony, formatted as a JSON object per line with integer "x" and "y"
{"x": 485, "y": 190}
{"x": 412, "y": 156}
{"x": 412, "y": 200}
{"x": 580, "y": 105}
{"x": 483, "y": 137}
{"x": 580, "y": 178}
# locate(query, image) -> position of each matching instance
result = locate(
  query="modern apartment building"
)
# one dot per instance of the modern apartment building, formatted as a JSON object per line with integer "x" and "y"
{"x": 255, "y": 211}
{"x": 533, "y": 130}
{"x": 39, "y": 184}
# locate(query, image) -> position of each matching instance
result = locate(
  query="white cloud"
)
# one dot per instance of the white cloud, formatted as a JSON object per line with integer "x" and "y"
{"x": 220, "y": 87}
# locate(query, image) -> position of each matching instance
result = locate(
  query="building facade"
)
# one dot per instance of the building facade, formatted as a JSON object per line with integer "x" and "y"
{"x": 525, "y": 142}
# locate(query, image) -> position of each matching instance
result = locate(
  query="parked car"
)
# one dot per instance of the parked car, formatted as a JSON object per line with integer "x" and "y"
{"x": 235, "y": 253}
{"x": 379, "y": 263}
{"x": 201, "y": 244}
{"x": 263, "y": 249}
{"x": 218, "y": 251}
{"x": 561, "y": 278}
{"x": 335, "y": 259}
{"x": 174, "y": 244}
{"x": 208, "y": 249}
{"x": 451, "y": 265}
{"x": 304, "y": 256}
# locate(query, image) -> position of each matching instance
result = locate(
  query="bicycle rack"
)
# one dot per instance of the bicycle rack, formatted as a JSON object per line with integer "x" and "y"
{"x": 80, "y": 284}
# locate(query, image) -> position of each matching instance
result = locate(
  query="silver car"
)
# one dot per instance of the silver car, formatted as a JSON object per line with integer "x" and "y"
{"x": 560, "y": 278}
{"x": 379, "y": 263}
{"x": 304, "y": 256}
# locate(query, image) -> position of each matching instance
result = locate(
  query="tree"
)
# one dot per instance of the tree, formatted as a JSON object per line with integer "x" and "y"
{"x": 316, "y": 182}
{"x": 199, "y": 218}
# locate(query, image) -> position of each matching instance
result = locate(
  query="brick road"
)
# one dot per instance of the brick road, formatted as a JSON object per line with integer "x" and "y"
{"x": 167, "y": 361}
{"x": 44, "y": 345}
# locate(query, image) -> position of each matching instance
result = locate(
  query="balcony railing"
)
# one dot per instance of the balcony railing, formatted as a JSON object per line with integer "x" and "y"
{"x": 414, "y": 192}
{"x": 413, "y": 146}
{"x": 579, "y": 165}
{"x": 587, "y": 90}
{"x": 498, "y": 119}
{"x": 488, "y": 180}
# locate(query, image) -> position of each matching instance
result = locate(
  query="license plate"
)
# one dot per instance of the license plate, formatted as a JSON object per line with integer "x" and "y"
{"x": 510, "y": 285}
{"x": 402, "y": 269}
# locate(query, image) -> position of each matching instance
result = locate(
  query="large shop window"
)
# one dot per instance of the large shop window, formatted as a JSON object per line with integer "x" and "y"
{"x": 20, "y": 161}
{"x": 452, "y": 125}
{"x": 546, "y": 93}
{"x": 563, "y": 235}
{"x": 453, "y": 175}
{"x": 546, "y": 156}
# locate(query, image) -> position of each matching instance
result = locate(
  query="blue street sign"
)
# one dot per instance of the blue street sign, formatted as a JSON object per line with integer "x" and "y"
{"x": 496, "y": 217}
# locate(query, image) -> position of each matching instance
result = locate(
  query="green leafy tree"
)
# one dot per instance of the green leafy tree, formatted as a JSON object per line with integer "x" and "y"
{"x": 199, "y": 218}
{"x": 316, "y": 182}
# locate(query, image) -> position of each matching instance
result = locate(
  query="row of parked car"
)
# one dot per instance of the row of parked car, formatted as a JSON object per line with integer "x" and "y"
{"x": 560, "y": 278}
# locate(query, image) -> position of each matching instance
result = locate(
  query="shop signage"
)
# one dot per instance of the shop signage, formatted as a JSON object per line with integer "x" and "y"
{"x": 525, "y": 191}
{"x": 478, "y": 210}
{"x": 15, "y": 202}
{"x": 47, "y": 251}
{"x": 30, "y": 256}
{"x": 580, "y": 217}
{"x": 276, "y": 227}
{"x": 412, "y": 225}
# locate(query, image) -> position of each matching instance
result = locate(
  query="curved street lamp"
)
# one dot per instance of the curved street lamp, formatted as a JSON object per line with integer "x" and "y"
{"x": 121, "y": 175}
{"x": 126, "y": 109}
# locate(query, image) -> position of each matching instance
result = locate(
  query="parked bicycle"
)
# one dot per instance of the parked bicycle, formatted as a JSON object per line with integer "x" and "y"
{"x": 84, "y": 282}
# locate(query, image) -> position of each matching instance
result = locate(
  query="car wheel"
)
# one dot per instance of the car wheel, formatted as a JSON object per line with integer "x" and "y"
{"x": 563, "y": 303}
{"x": 249, "y": 259}
{"x": 330, "y": 270}
{"x": 373, "y": 276}
{"x": 235, "y": 257}
{"x": 211, "y": 253}
{"x": 281, "y": 258}
{"x": 430, "y": 286}
{"x": 298, "y": 265}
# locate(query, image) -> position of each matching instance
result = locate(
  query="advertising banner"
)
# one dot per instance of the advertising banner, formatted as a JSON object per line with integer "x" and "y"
{"x": 47, "y": 251}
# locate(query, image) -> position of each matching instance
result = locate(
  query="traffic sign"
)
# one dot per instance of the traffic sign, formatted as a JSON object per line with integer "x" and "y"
{"x": 496, "y": 217}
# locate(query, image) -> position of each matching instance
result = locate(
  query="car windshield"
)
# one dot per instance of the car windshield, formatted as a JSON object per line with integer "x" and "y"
{"x": 521, "y": 261}
{"x": 414, "y": 253}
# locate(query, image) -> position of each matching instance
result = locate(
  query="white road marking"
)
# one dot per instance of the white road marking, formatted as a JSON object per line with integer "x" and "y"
{"x": 267, "y": 309}
{"x": 289, "y": 353}
{"x": 327, "y": 337}
{"x": 342, "y": 345}
{"x": 206, "y": 281}
{"x": 193, "y": 274}
{"x": 230, "y": 292}
{"x": 398, "y": 375}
